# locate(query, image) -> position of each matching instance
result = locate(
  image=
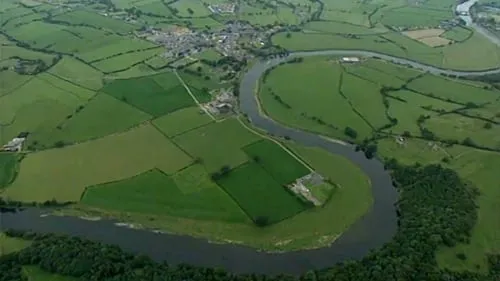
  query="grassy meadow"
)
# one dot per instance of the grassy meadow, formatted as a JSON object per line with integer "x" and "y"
{"x": 9, "y": 245}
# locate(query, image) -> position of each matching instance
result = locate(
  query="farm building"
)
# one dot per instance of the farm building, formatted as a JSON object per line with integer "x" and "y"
{"x": 350, "y": 59}
{"x": 15, "y": 144}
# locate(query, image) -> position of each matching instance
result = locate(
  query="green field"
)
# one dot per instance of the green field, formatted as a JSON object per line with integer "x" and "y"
{"x": 217, "y": 144}
{"x": 111, "y": 158}
{"x": 187, "y": 8}
{"x": 457, "y": 34}
{"x": 77, "y": 72}
{"x": 150, "y": 95}
{"x": 94, "y": 19}
{"x": 8, "y": 168}
{"x": 125, "y": 61}
{"x": 181, "y": 121}
{"x": 94, "y": 120}
{"x": 9, "y": 245}
{"x": 155, "y": 193}
{"x": 271, "y": 158}
{"x": 259, "y": 194}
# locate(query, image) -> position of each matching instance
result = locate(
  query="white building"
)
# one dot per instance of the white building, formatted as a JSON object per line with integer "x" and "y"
{"x": 350, "y": 59}
{"x": 15, "y": 144}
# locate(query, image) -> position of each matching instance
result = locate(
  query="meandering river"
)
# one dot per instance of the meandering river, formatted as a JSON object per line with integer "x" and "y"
{"x": 374, "y": 229}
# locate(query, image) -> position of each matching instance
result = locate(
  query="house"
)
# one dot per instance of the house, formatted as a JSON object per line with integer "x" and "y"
{"x": 350, "y": 59}
{"x": 15, "y": 144}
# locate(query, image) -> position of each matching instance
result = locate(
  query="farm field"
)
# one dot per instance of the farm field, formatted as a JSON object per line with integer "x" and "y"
{"x": 111, "y": 158}
{"x": 77, "y": 72}
{"x": 181, "y": 121}
{"x": 99, "y": 21}
{"x": 286, "y": 102}
{"x": 125, "y": 61}
{"x": 8, "y": 167}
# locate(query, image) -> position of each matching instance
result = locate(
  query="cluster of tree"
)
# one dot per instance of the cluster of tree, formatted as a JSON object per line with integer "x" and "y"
{"x": 134, "y": 12}
{"x": 223, "y": 172}
{"x": 436, "y": 209}
{"x": 369, "y": 148}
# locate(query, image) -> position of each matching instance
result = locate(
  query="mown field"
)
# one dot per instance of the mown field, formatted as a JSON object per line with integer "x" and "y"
{"x": 444, "y": 121}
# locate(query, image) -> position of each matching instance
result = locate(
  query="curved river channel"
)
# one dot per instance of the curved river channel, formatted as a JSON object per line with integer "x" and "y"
{"x": 374, "y": 229}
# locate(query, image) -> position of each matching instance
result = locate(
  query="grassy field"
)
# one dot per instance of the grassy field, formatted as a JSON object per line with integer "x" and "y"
{"x": 111, "y": 158}
{"x": 94, "y": 121}
{"x": 457, "y": 34}
{"x": 453, "y": 90}
{"x": 125, "y": 61}
{"x": 11, "y": 81}
{"x": 117, "y": 45}
{"x": 33, "y": 273}
{"x": 187, "y": 8}
{"x": 18, "y": 52}
{"x": 155, "y": 193}
{"x": 324, "y": 110}
{"x": 181, "y": 121}
{"x": 94, "y": 19}
{"x": 271, "y": 157}
{"x": 217, "y": 144}
{"x": 259, "y": 194}
{"x": 150, "y": 95}
{"x": 333, "y": 27}
{"x": 9, "y": 245}
{"x": 8, "y": 168}
{"x": 77, "y": 72}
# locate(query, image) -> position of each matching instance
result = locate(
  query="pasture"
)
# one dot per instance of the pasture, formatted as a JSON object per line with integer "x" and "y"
{"x": 11, "y": 81}
{"x": 79, "y": 17}
{"x": 457, "y": 34}
{"x": 125, "y": 61}
{"x": 9, "y": 245}
{"x": 77, "y": 72}
{"x": 94, "y": 121}
{"x": 452, "y": 89}
{"x": 271, "y": 157}
{"x": 312, "y": 100}
{"x": 260, "y": 195}
{"x": 146, "y": 94}
{"x": 189, "y": 9}
{"x": 217, "y": 144}
{"x": 181, "y": 121}
{"x": 155, "y": 193}
{"x": 107, "y": 159}
{"x": 8, "y": 167}
{"x": 18, "y": 52}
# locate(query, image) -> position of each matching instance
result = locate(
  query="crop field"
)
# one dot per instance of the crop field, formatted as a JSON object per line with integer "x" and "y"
{"x": 9, "y": 245}
{"x": 217, "y": 144}
{"x": 125, "y": 61}
{"x": 259, "y": 194}
{"x": 8, "y": 167}
{"x": 93, "y": 121}
{"x": 94, "y": 19}
{"x": 452, "y": 90}
{"x": 181, "y": 121}
{"x": 77, "y": 72}
{"x": 271, "y": 158}
{"x": 155, "y": 193}
{"x": 107, "y": 159}
{"x": 187, "y": 8}
{"x": 147, "y": 95}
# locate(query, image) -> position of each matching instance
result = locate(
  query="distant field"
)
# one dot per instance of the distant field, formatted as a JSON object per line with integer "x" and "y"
{"x": 18, "y": 52}
{"x": 187, "y": 8}
{"x": 125, "y": 61}
{"x": 117, "y": 46}
{"x": 9, "y": 245}
{"x": 156, "y": 193}
{"x": 94, "y": 120}
{"x": 457, "y": 34}
{"x": 453, "y": 90}
{"x": 77, "y": 72}
{"x": 259, "y": 194}
{"x": 149, "y": 96}
{"x": 94, "y": 19}
{"x": 11, "y": 81}
{"x": 310, "y": 98}
{"x": 217, "y": 144}
{"x": 182, "y": 120}
{"x": 342, "y": 28}
{"x": 156, "y": 8}
{"x": 416, "y": 17}
{"x": 107, "y": 159}
{"x": 271, "y": 157}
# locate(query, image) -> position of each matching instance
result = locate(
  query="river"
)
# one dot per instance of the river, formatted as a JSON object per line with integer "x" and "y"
{"x": 374, "y": 229}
